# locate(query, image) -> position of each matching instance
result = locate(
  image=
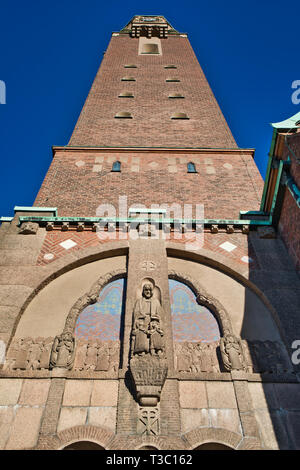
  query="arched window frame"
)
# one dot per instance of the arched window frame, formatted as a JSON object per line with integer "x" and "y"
{"x": 116, "y": 167}
{"x": 191, "y": 168}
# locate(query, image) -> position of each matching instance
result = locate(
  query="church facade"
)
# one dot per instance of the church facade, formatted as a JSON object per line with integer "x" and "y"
{"x": 149, "y": 299}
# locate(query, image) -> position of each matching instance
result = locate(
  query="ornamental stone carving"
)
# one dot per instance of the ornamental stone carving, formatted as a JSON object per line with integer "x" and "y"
{"x": 29, "y": 354}
{"x": 148, "y": 365}
{"x": 96, "y": 355}
{"x": 199, "y": 357}
{"x": 63, "y": 351}
{"x": 232, "y": 353}
{"x": 149, "y": 374}
{"x": 28, "y": 228}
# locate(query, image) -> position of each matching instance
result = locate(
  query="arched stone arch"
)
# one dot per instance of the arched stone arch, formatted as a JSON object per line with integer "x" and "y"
{"x": 231, "y": 269}
{"x": 65, "y": 264}
{"x": 83, "y": 445}
{"x": 203, "y": 298}
{"x": 200, "y": 436}
{"x": 96, "y": 434}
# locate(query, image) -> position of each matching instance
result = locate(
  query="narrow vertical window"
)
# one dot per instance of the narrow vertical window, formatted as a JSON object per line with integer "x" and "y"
{"x": 191, "y": 168}
{"x": 116, "y": 166}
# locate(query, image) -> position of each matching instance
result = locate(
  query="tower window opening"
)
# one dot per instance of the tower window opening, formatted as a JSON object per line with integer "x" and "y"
{"x": 116, "y": 167}
{"x": 191, "y": 167}
{"x": 128, "y": 79}
{"x": 126, "y": 94}
{"x": 130, "y": 66}
{"x": 172, "y": 79}
{"x": 170, "y": 67}
{"x": 123, "y": 115}
{"x": 150, "y": 49}
{"x": 176, "y": 95}
{"x": 180, "y": 116}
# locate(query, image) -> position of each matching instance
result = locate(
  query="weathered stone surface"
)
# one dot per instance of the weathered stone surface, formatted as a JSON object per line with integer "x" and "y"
{"x": 25, "y": 428}
{"x": 193, "y": 418}
{"x": 10, "y": 391}
{"x": 192, "y": 394}
{"x": 70, "y": 417}
{"x": 267, "y": 430}
{"x": 105, "y": 393}
{"x": 225, "y": 419}
{"x": 77, "y": 393}
{"x": 6, "y": 419}
{"x": 14, "y": 295}
{"x": 8, "y": 317}
{"x": 105, "y": 417}
{"x": 221, "y": 395}
{"x": 263, "y": 395}
{"x": 34, "y": 392}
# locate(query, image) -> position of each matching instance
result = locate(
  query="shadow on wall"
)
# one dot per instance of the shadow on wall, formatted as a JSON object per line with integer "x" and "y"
{"x": 275, "y": 394}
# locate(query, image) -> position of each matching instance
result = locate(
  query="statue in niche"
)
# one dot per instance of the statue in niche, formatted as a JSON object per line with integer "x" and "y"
{"x": 232, "y": 353}
{"x": 147, "y": 332}
{"x": 63, "y": 349}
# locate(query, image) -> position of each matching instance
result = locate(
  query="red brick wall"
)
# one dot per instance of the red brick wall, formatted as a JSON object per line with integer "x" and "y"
{"x": 151, "y": 108}
{"x": 224, "y": 190}
{"x": 289, "y": 223}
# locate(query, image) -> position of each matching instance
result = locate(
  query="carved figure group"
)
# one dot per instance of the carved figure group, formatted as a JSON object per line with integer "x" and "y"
{"x": 29, "y": 354}
{"x": 197, "y": 357}
{"x": 97, "y": 355}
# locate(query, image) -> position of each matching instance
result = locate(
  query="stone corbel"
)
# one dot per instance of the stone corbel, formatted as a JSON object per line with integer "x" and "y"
{"x": 149, "y": 374}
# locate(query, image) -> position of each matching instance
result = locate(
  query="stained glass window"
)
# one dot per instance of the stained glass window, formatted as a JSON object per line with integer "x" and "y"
{"x": 190, "y": 321}
{"x": 102, "y": 320}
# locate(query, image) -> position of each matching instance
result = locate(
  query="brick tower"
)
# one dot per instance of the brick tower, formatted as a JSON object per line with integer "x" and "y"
{"x": 145, "y": 298}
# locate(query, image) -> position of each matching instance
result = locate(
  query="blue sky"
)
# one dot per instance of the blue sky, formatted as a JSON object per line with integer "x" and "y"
{"x": 50, "y": 53}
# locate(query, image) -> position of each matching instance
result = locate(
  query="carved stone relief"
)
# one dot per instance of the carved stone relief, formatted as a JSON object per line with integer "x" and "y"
{"x": 232, "y": 353}
{"x": 28, "y": 228}
{"x": 36, "y": 354}
{"x": 197, "y": 357}
{"x": 63, "y": 351}
{"x": 148, "y": 364}
{"x": 148, "y": 421}
{"x": 97, "y": 355}
{"x": 263, "y": 357}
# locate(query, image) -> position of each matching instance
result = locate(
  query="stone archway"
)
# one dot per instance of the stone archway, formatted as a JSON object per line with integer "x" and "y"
{"x": 213, "y": 446}
{"x": 83, "y": 445}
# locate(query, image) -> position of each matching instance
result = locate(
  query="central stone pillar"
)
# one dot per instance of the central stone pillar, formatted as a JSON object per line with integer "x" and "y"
{"x": 148, "y": 357}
